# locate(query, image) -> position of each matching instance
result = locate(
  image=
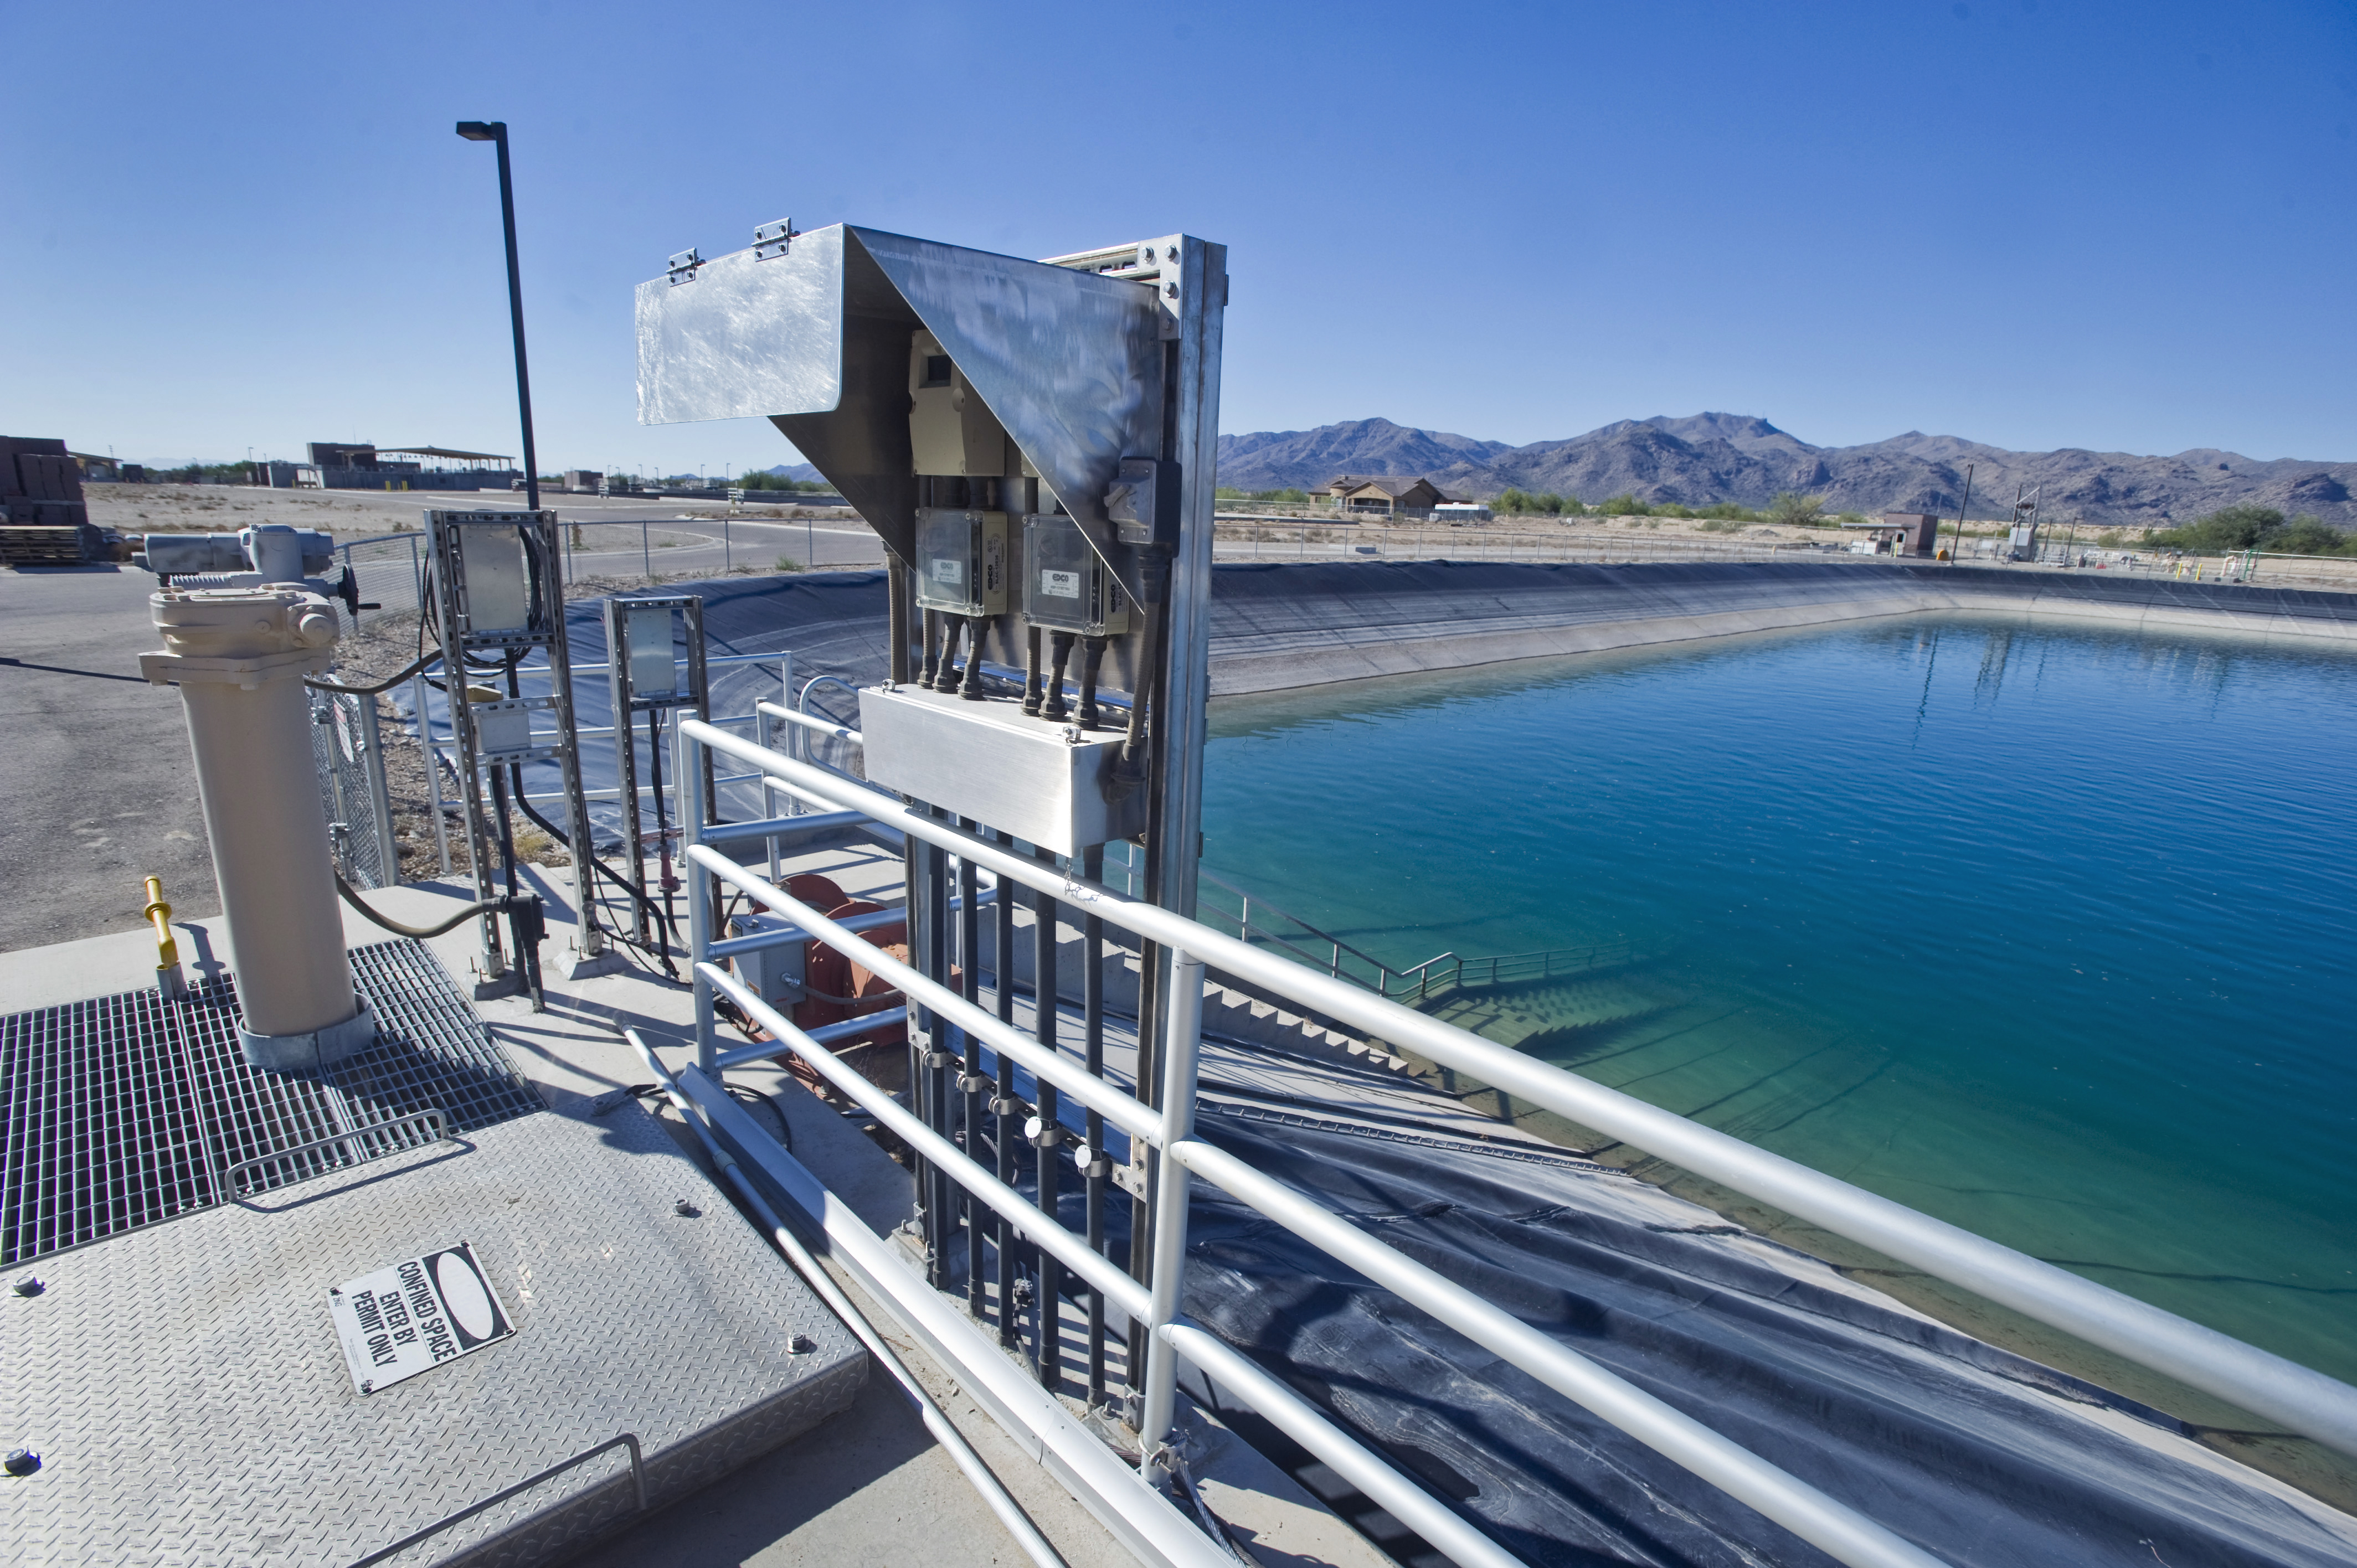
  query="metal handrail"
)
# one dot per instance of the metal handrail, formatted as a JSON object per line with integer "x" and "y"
{"x": 638, "y": 1475}
{"x": 1243, "y": 921}
{"x": 440, "y": 1119}
{"x": 2273, "y": 1386}
{"x": 1847, "y": 1535}
{"x": 822, "y": 726}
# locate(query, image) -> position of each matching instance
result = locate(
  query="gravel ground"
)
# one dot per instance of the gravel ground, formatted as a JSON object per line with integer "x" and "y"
{"x": 379, "y": 648}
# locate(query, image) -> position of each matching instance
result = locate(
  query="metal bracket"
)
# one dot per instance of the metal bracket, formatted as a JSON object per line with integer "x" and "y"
{"x": 772, "y": 240}
{"x": 682, "y": 267}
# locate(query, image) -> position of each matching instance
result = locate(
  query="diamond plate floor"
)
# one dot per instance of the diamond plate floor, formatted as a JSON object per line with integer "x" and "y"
{"x": 125, "y": 1110}
{"x": 185, "y": 1391}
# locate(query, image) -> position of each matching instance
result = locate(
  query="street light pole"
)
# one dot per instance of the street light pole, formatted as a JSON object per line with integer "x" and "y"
{"x": 496, "y": 132}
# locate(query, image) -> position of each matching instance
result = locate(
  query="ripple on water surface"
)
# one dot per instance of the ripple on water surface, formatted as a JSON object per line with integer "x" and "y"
{"x": 2044, "y": 930}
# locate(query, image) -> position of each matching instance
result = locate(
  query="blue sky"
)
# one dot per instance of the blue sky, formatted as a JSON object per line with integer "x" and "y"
{"x": 2033, "y": 222}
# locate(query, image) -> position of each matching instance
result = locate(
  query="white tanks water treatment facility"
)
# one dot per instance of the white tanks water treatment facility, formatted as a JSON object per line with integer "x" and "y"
{"x": 528, "y": 1214}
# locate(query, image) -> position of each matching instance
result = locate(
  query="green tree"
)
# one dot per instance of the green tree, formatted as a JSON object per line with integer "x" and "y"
{"x": 1625, "y": 504}
{"x": 2248, "y": 526}
{"x": 1794, "y": 510}
{"x": 1527, "y": 503}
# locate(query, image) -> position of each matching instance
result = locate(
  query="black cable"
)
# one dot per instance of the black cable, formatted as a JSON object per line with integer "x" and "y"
{"x": 738, "y": 1093}
{"x": 662, "y": 818}
{"x": 663, "y": 921}
{"x": 387, "y": 685}
{"x": 488, "y": 906}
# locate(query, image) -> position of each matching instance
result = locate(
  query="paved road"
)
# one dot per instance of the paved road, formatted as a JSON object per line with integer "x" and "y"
{"x": 96, "y": 786}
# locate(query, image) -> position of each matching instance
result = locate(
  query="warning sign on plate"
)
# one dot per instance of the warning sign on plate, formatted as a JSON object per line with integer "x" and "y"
{"x": 419, "y": 1313}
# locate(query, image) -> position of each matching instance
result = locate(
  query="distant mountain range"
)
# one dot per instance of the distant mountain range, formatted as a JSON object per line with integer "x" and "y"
{"x": 1712, "y": 457}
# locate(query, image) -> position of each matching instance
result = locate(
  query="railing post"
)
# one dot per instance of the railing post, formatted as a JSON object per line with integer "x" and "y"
{"x": 1168, "y": 1275}
{"x": 687, "y": 762}
{"x": 793, "y": 741}
{"x": 432, "y": 767}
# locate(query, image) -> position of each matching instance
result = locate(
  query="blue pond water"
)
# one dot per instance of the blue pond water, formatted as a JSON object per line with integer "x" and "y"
{"x": 2046, "y": 931}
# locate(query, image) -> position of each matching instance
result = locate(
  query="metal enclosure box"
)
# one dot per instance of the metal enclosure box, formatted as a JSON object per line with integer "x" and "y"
{"x": 1040, "y": 780}
{"x": 774, "y": 973}
{"x": 951, "y": 430}
{"x": 1066, "y": 585}
{"x": 653, "y": 673}
{"x": 497, "y": 588}
{"x": 962, "y": 561}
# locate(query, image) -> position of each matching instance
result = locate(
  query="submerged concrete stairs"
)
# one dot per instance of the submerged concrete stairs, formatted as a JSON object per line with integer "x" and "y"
{"x": 1232, "y": 1007}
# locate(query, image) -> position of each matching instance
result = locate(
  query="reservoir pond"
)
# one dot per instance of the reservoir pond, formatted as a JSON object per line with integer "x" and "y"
{"x": 2041, "y": 929}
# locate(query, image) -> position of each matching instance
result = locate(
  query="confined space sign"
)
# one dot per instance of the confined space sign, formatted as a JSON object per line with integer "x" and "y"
{"x": 415, "y": 1314}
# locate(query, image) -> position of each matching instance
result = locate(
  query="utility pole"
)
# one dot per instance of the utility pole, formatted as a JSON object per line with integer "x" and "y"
{"x": 1958, "y": 552}
{"x": 496, "y": 132}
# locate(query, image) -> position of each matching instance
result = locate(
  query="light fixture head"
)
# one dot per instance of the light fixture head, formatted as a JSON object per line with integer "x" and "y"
{"x": 482, "y": 130}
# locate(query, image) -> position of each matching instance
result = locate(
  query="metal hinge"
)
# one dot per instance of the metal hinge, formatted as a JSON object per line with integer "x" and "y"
{"x": 682, "y": 267}
{"x": 773, "y": 239}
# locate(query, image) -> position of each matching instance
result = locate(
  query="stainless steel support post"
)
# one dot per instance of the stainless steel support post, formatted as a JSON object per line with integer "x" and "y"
{"x": 1168, "y": 1279}
{"x": 1049, "y": 1134}
{"x": 970, "y": 1078}
{"x": 1006, "y": 1125}
{"x": 1096, "y": 1168}
{"x": 687, "y": 759}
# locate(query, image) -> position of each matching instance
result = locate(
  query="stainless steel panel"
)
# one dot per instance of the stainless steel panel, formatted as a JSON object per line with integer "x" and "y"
{"x": 1070, "y": 362}
{"x": 745, "y": 336}
{"x": 1043, "y": 782}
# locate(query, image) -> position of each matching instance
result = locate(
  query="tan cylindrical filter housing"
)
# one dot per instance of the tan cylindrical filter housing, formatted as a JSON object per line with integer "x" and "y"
{"x": 238, "y": 656}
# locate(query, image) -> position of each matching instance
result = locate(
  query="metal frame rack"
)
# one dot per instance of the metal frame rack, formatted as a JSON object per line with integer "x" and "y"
{"x": 493, "y": 609}
{"x": 630, "y": 672}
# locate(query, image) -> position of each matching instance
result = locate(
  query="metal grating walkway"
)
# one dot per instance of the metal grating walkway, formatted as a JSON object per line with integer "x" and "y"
{"x": 125, "y": 1110}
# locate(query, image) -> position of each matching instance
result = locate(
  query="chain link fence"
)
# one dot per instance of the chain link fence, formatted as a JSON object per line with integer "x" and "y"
{"x": 347, "y": 752}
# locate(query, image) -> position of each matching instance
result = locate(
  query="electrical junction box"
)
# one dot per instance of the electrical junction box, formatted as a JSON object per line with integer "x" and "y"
{"x": 503, "y": 731}
{"x": 1045, "y": 782}
{"x": 951, "y": 430}
{"x": 653, "y": 671}
{"x": 774, "y": 974}
{"x": 1066, "y": 586}
{"x": 962, "y": 561}
{"x": 496, "y": 583}
{"x": 1143, "y": 502}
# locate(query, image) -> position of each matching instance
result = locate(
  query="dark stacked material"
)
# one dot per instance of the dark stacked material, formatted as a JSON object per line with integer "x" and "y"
{"x": 46, "y": 520}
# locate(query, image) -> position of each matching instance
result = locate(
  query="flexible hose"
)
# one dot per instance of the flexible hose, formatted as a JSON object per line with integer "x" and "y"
{"x": 488, "y": 906}
{"x": 667, "y": 932}
{"x": 387, "y": 685}
{"x": 1055, "y": 708}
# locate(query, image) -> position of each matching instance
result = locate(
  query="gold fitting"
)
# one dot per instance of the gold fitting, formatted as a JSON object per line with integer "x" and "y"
{"x": 167, "y": 949}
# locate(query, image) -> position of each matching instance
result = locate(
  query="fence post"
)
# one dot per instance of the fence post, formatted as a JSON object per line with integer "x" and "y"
{"x": 727, "y": 560}
{"x": 687, "y": 763}
{"x": 646, "y": 552}
{"x": 433, "y": 766}
{"x": 1185, "y": 1021}
{"x": 380, "y": 796}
